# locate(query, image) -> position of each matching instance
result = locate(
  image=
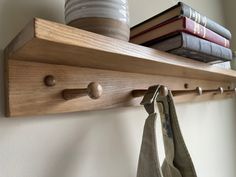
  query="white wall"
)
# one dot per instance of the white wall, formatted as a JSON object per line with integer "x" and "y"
{"x": 143, "y": 9}
{"x": 229, "y": 15}
{"x": 106, "y": 143}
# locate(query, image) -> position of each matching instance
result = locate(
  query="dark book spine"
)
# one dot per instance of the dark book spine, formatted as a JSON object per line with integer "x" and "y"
{"x": 201, "y": 31}
{"x": 204, "y": 21}
{"x": 198, "y": 56}
{"x": 200, "y": 49}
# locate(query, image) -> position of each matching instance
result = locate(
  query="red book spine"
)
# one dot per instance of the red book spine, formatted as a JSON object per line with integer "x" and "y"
{"x": 196, "y": 29}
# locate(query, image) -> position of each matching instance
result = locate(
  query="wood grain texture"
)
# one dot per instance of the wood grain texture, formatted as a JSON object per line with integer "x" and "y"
{"x": 28, "y": 95}
{"x": 77, "y": 58}
{"x": 48, "y": 42}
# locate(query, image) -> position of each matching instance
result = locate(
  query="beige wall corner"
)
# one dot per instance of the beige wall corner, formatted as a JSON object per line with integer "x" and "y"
{"x": 229, "y": 7}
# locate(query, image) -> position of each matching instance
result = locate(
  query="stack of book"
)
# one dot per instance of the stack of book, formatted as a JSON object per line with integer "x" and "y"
{"x": 183, "y": 31}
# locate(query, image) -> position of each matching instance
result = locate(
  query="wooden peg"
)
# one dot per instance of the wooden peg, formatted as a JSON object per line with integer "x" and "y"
{"x": 164, "y": 91}
{"x": 138, "y": 93}
{"x": 197, "y": 91}
{"x": 94, "y": 91}
{"x": 219, "y": 90}
{"x": 50, "y": 81}
{"x": 233, "y": 91}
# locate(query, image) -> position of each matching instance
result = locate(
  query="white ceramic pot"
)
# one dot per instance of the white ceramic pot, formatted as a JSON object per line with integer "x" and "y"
{"x": 107, "y": 17}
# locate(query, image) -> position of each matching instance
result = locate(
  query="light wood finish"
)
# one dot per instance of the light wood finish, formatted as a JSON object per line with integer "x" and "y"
{"x": 76, "y": 58}
{"x": 197, "y": 91}
{"x": 28, "y": 94}
{"x": 48, "y": 42}
{"x": 50, "y": 81}
{"x": 232, "y": 91}
{"x": 219, "y": 90}
{"x": 139, "y": 93}
{"x": 94, "y": 91}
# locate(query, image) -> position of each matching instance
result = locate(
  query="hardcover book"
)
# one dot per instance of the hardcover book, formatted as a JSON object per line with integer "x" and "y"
{"x": 180, "y": 10}
{"x": 180, "y": 25}
{"x": 189, "y": 46}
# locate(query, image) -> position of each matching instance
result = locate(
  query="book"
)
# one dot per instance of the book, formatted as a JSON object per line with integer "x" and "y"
{"x": 225, "y": 65}
{"x": 180, "y": 10}
{"x": 189, "y": 46}
{"x": 182, "y": 24}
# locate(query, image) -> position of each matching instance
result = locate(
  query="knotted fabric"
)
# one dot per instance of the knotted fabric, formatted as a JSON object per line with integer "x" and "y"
{"x": 177, "y": 162}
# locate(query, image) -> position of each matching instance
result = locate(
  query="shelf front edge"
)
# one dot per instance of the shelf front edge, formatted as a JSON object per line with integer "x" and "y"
{"x": 53, "y": 43}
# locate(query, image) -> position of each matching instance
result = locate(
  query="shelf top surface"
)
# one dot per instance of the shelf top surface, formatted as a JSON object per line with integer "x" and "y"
{"x": 49, "y": 42}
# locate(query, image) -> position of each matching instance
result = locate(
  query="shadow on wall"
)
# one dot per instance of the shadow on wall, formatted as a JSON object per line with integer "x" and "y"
{"x": 14, "y": 15}
{"x": 68, "y": 143}
{"x": 53, "y": 146}
{"x": 114, "y": 157}
{"x": 1, "y": 85}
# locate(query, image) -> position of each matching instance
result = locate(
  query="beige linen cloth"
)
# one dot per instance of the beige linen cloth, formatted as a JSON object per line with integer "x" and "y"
{"x": 177, "y": 161}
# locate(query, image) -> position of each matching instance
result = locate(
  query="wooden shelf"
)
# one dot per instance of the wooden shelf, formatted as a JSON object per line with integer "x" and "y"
{"x": 76, "y": 57}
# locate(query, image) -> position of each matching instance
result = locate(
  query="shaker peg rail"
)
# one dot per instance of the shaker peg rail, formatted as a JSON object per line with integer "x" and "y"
{"x": 48, "y": 63}
{"x": 198, "y": 91}
{"x": 94, "y": 91}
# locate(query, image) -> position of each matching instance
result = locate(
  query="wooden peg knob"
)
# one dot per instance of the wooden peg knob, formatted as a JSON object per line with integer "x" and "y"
{"x": 50, "y": 81}
{"x": 221, "y": 90}
{"x": 94, "y": 91}
{"x": 199, "y": 90}
{"x": 234, "y": 90}
{"x": 163, "y": 91}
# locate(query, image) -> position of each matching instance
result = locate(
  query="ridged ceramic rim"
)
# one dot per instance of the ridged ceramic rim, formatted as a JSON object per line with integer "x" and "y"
{"x": 97, "y": 3}
{"x": 122, "y": 11}
{"x": 96, "y": 8}
{"x": 75, "y": 15}
{"x": 74, "y": 1}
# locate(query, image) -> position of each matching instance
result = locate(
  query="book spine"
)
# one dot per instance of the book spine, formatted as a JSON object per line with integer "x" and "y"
{"x": 205, "y": 47}
{"x": 202, "y": 32}
{"x": 196, "y": 56}
{"x": 204, "y": 21}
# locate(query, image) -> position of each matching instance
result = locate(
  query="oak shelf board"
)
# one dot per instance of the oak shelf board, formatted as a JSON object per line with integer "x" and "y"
{"x": 76, "y": 58}
{"x": 53, "y": 43}
{"x": 28, "y": 95}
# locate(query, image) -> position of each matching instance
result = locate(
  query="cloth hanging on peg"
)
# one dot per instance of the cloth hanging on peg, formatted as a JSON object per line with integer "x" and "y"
{"x": 178, "y": 162}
